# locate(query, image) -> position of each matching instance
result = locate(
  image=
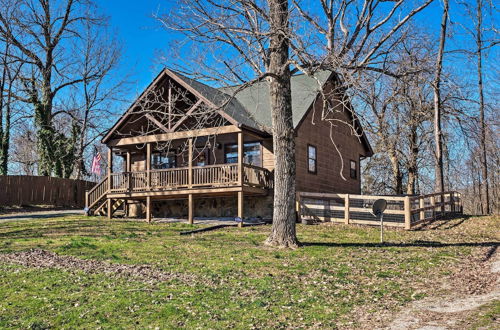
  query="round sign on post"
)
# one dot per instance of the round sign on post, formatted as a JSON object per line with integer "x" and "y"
{"x": 378, "y": 209}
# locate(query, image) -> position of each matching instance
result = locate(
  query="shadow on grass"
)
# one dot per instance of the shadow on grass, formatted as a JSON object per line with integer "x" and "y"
{"x": 86, "y": 228}
{"x": 452, "y": 221}
{"x": 37, "y": 216}
{"x": 404, "y": 245}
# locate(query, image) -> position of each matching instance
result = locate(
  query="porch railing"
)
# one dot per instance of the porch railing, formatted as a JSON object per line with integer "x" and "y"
{"x": 257, "y": 176}
{"x": 222, "y": 175}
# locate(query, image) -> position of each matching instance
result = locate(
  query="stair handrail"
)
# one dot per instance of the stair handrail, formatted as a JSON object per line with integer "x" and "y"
{"x": 90, "y": 192}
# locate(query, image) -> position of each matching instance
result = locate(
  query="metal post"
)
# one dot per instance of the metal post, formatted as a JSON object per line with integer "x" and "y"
{"x": 382, "y": 228}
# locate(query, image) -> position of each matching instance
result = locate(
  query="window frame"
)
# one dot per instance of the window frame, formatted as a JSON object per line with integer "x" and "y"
{"x": 315, "y": 159}
{"x": 166, "y": 153}
{"x": 355, "y": 176}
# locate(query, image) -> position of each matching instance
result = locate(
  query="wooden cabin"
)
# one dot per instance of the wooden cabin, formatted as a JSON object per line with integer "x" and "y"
{"x": 189, "y": 149}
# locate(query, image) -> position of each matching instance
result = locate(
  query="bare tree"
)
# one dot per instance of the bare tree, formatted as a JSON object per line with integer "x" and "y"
{"x": 438, "y": 135}
{"x": 479, "y": 54}
{"x": 44, "y": 32}
{"x": 5, "y": 108}
{"x": 396, "y": 111}
{"x": 246, "y": 28}
{"x": 283, "y": 229}
{"x": 96, "y": 96}
{"x": 24, "y": 155}
{"x": 247, "y": 41}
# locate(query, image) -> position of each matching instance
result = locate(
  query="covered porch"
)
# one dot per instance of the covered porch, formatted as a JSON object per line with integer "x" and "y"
{"x": 220, "y": 161}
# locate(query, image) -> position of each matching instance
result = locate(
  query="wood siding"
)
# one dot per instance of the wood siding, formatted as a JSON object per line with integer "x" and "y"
{"x": 316, "y": 132}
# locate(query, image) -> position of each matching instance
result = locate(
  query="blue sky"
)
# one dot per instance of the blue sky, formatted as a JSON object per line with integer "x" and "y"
{"x": 140, "y": 35}
{"x": 143, "y": 37}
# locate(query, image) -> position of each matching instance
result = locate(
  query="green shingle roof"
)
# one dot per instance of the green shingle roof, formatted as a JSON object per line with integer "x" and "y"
{"x": 251, "y": 105}
{"x": 255, "y": 98}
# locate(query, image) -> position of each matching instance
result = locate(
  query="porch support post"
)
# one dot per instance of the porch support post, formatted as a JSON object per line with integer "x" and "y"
{"x": 190, "y": 209}
{"x": 240, "y": 207}
{"x": 110, "y": 210}
{"x": 148, "y": 165}
{"x": 148, "y": 208}
{"x": 128, "y": 168}
{"x": 190, "y": 162}
{"x": 110, "y": 167}
{"x": 240, "y": 159}
{"x": 128, "y": 162}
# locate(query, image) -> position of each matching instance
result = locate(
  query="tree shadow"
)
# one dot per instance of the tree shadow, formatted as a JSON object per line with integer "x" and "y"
{"x": 441, "y": 222}
{"x": 37, "y": 216}
{"x": 417, "y": 243}
{"x": 86, "y": 228}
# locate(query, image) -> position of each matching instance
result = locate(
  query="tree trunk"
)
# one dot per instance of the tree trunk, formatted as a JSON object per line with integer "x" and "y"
{"x": 45, "y": 138}
{"x": 284, "y": 218}
{"x": 412, "y": 162}
{"x": 396, "y": 172}
{"x": 438, "y": 135}
{"x": 483, "y": 158}
{"x": 4, "y": 132}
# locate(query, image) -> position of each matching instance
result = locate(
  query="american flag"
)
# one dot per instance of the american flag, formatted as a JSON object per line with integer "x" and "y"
{"x": 96, "y": 164}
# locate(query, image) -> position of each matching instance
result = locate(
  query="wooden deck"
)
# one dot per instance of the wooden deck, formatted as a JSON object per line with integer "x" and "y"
{"x": 146, "y": 184}
{"x": 211, "y": 176}
{"x": 175, "y": 182}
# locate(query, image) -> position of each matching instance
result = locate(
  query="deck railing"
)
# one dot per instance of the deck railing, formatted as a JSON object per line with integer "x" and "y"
{"x": 171, "y": 178}
{"x": 221, "y": 175}
{"x": 255, "y": 176}
{"x": 215, "y": 175}
{"x": 402, "y": 211}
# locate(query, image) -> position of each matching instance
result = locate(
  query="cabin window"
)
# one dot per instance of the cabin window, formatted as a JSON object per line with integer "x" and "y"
{"x": 311, "y": 159}
{"x": 162, "y": 160}
{"x": 251, "y": 153}
{"x": 354, "y": 169}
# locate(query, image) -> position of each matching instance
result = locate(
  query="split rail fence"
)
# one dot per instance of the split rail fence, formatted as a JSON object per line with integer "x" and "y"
{"x": 402, "y": 211}
{"x": 21, "y": 190}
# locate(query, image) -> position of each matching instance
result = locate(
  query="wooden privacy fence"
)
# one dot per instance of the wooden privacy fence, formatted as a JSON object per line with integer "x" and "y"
{"x": 42, "y": 190}
{"x": 402, "y": 211}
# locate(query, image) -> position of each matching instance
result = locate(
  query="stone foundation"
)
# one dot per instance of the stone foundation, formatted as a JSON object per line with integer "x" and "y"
{"x": 254, "y": 207}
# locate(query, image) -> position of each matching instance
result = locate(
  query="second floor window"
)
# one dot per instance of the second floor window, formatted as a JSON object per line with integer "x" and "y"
{"x": 354, "y": 169}
{"x": 312, "y": 159}
{"x": 162, "y": 160}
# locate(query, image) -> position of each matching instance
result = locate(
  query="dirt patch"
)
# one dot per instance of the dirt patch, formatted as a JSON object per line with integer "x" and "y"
{"x": 475, "y": 283}
{"x": 477, "y": 274}
{"x": 37, "y": 258}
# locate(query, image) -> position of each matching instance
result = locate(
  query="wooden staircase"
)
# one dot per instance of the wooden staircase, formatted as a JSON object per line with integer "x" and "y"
{"x": 102, "y": 209}
{"x": 95, "y": 198}
{"x": 97, "y": 202}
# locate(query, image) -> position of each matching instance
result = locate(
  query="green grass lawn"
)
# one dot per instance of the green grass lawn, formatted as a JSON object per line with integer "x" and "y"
{"x": 227, "y": 278}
